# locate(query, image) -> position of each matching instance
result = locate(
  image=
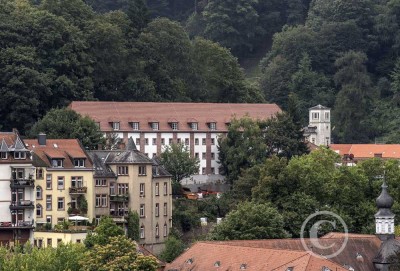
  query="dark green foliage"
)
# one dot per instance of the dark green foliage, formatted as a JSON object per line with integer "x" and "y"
{"x": 103, "y": 232}
{"x": 133, "y": 230}
{"x": 173, "y": 248}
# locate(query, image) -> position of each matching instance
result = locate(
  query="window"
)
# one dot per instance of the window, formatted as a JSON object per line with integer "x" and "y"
{"x": 196, "y": 155}
{"x": 98, "y": 201}
{"x": 123, "y": 189}
{"x": 203, "y": 170}
{"x": 157, "y": 212}
{"x": 123, "y": 170}
{"x": 142, "y": 211}
{"x": 19, "y": 173}
{"x": 154, "y": 126}
{"x": 48, "y": 203}
{"x": 174, "y": 126}
{"x": 60, "y": 220}
{"x": 76, "y": 181}
{"x": 165, "y": 230}
{"x": 163, "y": 141}
{"x": 212, "y": 141}
{"x": 179, "y": 141}
{"x": 49, "y": 242}
{"x": 59, "y": 241}
{"x": 141, "y": 186}
{"x": 213, "y": 126}
{"x": 157, "y": 188}
{"x": 39, "y": 210}
{"x": 79, "y": 162}
{"x": 138, "y": 141}
{"x": 212, "y": 170}
{"x": 115, "y": 126}
{"x": 135, "y": 126}
{"x": 212, "y": 156}
{"x": 39, "y": 173}
{"x": 60, "y": 182}
{"x": 39, "y": 192}
{"x": 196, "y": 141}
{"x": 157, "y": 231}
{"x": 165, "y": 189}
{"x": 170, "y": 141}
{"x": 203, "y": 141}
{"x": 3, "y": 155}
{"x": 186, "y": 141}
{"x": 165, "y": 209}
{"x": 48, "y": 181}
{"x": 194, "y": 126}
{"x": 57, "y": 163}
{"x": 315, "y": 116}
{"x": 142, "y": 170}
{"x": 19, "y": 155}
{"x": 142, "y": 232}
{"x": 154, "y": 141}
{"x": 146, "y": 141}
{"x": 60, "y": 204}
{"x": 326, "y": 115}
{"x": 101, "y": 200}
{"x": 203, "y": 156}
{"x": 101, "y": 182}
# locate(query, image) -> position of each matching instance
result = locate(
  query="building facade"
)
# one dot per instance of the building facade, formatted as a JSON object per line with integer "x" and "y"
{"x": 129, "y": 180}
{"x": 64, "y": 183}
{"x": 153, "y": 126}
{"x": 318, "y": 130}
{"x": 17, "y": 197}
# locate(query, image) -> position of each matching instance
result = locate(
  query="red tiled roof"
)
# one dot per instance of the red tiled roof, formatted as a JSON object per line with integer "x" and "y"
{"x": 367, "y": 150}
{"x": 59, "y": 148}
{"x": 217, "y": 256}
{"x": 144, "y": 113}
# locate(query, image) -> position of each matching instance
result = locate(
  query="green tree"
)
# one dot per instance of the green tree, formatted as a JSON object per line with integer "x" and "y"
{"x": 103, "y": 232}
{"x": 250, "y": 221}
{"x": 119, "y": 253}
{"x": 177, "y": 160}
{"x": 133, "y": 231}
{"x": 66, "y": 123}
{"x": 173, "y": 248}
{"x": 138, "y": 13}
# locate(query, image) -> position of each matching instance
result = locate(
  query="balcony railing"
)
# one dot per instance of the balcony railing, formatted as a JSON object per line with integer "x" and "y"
{"x": 119, "y": 213}
{"x": 22, "y": 204}
{"x": 78, "y": 190}
{"x": 17, "y": 183}
{"x": 19, "y": 224}
{"x": 119, "y": 198}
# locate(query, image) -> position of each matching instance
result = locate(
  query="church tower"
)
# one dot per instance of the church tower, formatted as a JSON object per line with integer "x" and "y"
{"x": 384, "y": 218}
{"x": 318, "y": 130}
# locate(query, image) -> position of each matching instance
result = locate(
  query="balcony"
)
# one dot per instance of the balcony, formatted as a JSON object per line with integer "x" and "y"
{"x": 118, "y": 214}
{"x": 21, "y": 205}
{"x": 119, "y": 198}
{"x": 78, "y": 190}
{"x": 20, "y": 183}
{"x": 19, "y": 225}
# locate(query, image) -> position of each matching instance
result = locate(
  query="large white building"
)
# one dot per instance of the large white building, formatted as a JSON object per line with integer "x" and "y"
{"x": 155, "y": 125}
{"x": 318, "y": 130}
{"x": 17, "y": 184}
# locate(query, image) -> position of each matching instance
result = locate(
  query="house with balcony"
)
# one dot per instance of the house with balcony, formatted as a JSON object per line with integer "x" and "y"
{"x": 129, "y": 180}
{"x": 64, "y": 187}
{"x": 17, "y": 184}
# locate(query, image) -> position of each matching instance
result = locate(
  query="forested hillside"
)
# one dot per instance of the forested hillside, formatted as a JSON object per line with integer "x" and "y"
{"x": 340, "y": 53}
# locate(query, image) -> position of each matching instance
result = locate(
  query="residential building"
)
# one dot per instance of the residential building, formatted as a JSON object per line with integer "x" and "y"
{"x": 156, "y": 125}
{"x": 17, "y": 195}
{"x": 360, "y": 252}
{"x": 133, "y": 181}
{"x": 352, "y": 153}
{"x": 64, "y": 185}
{"x": 318, "y": 131}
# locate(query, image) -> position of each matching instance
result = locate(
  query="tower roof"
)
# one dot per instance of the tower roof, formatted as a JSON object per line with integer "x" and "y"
{"x": 384, "y": 201}
{"x": 131, "y": 146}
{"x": 318, "y": 107}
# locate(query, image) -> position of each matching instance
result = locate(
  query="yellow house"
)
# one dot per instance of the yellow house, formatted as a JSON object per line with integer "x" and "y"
{"x": 64, "y": 186}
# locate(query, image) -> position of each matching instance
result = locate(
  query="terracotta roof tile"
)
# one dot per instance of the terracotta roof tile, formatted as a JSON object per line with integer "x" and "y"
{"x": 361, "y": 151}
{"x": 145, "y": 113}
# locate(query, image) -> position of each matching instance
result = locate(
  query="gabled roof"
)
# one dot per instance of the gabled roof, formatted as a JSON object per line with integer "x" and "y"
{"x": 3, "y": 146}
{"x": 146, "y": 112}
{"x": 363, "y": 151}
{"x": 318, "y": 107}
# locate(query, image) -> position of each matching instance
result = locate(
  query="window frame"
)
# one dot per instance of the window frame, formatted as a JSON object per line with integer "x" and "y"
{"x": 3, "y": 155}
{"x": 135, "y": 126}
{"x": 62, "y": 187}
{"x": 49, "y": 202}
{"x": 122, "y": 170}
{"x": 62, "y": 201}
{"x": 21, "y": 155}
{"x": 142, "y": 171}
{"x": 142, "y": 211}
{"x": 39, "y": 191}
{"x": 39, "y": 208}
{"x": 49, "y": 181}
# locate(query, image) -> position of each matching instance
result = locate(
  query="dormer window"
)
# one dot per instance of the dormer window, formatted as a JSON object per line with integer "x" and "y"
{"x": 19, "y": 155}
{"x": 80, "y": 162}
{"x": 115, "y": 126}
{"x": 213, "y": 126}
{"x": 57, "y": 163}
{"x": 194, "y": 126}
{"x": 135, "y": 126}
{"x": 3, "y": 155}
{"x": 154, "y": 126}
{"x": 174, "y": 126}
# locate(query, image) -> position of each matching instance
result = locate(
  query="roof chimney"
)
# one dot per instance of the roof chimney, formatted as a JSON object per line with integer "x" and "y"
{"x": 42, "y": 139}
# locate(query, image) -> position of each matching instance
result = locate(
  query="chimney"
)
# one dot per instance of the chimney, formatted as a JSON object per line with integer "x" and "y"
{"x": 42, "y": 139}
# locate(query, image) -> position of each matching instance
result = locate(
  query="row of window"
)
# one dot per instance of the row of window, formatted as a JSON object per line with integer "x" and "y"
{"x": 204, "y": 156}
{"x": 17, "y": 155}
{"x": 124, "y": 170}
{"x": 59, "y": 162}
{"x": 76, "y": 181}
{"x": 157, "y": 231}
{"x": 179, "y": 140}
{"x": 49, "y": 205}
{"x": 315, "y": 115}
{"x": 155, "y": 126}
